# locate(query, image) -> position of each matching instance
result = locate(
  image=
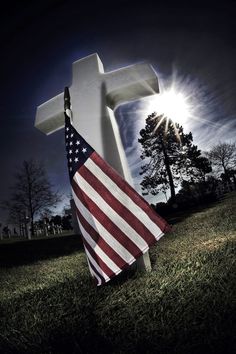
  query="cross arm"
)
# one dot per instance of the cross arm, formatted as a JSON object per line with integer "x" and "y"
{"x": 50, "y": 115}
{"x": 130, "y": 83}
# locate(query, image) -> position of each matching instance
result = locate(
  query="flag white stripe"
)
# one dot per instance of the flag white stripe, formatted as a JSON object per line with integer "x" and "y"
{"x": 123, "y": 197}
{"x": 102, "y": 231}
{"x": 94, "y": 263}
{"x": 90, "y": 268}
{"x": 116, "y": 218}
{"x": 92, "y": 271}
{"x": 101, "y": 254}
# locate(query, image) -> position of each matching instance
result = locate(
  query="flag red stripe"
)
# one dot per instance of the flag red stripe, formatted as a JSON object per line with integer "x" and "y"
{"x": 95, "y": 271}
{"x": 116, "y": 205}
{"x": 104, "y": 267}
{"x": 100, "y": 241}
{"x": 126, "y": 188}
{"x": 112, "y": 228}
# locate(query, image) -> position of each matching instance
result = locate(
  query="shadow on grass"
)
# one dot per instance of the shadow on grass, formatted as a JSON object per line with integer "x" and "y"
{"x": 27, "y": 252}
{"x": 193, "y": 316}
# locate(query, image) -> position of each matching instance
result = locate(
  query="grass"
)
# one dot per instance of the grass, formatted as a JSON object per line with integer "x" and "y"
{"x": 49, "y": 304}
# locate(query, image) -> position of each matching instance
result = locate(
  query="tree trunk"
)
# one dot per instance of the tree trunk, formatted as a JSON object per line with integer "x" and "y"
{"x": 169, "y": 173}
{"x": 30, "y": 201}
{"x": 32, "y": 226}
{"x": 234, "y": 178}
{"x": 226, "y": 174}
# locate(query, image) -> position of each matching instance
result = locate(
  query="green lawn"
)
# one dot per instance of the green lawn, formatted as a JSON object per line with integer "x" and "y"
{"x": 49, "y": 304}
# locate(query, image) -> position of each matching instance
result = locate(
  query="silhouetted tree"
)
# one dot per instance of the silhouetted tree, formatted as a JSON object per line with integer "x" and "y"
{"x": 201, "y": 167}
{"x": 66, "y": 222}
{"x": 57, "y": 219}
{"x": 171, "y": 156}
{"x": 31, "y": 193}
{"x": 223, "y": 157}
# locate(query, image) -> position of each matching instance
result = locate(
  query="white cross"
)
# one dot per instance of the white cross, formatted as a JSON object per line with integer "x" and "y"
{"x": 94, "y": 95}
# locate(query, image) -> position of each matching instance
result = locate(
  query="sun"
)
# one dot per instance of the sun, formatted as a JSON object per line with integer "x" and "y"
{"x": 172, "y": 105}
{"x": 179, "y": 103}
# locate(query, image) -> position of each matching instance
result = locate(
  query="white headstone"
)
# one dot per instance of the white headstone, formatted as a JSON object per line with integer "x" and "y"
{"x": 94, "y": 96}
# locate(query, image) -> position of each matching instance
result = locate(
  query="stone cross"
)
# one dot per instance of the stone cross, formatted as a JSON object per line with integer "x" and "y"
{"x": 95, "y": 94}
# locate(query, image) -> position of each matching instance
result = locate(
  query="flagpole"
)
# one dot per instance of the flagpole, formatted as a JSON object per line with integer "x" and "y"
{"x": 67, "y": 110}
{"x": 66, "y": 99}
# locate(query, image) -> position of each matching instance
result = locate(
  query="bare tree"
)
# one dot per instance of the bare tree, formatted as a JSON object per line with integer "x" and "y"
{"x": 223, "y": 156}
{"x": 32, "y": 192}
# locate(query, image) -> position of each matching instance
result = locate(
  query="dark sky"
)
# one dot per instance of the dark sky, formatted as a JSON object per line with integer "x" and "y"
{"x": 41, "y": 39}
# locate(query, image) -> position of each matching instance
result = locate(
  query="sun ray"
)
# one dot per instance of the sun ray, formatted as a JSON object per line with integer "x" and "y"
{"x": 171, "y": 105}
{"x": 167, "y": 125}
{"x": 177, "y": 133}
{"x": 158, "y": 124}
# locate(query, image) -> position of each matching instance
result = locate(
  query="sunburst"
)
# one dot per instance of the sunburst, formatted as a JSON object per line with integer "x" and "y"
{"x": 171, "y": 107}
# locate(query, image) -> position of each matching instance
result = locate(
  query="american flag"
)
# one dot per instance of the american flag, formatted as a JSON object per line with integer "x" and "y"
{"x": 116, "y": 223}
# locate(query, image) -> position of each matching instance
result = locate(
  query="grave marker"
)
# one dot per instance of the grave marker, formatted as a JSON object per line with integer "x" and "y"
{"x": 94, "y": 95}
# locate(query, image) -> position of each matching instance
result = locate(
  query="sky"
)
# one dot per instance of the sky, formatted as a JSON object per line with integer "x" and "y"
{"x": 191, "y": 45}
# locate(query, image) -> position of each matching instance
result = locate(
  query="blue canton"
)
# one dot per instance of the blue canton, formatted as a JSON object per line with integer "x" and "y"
{"x": 77, "y": 149}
